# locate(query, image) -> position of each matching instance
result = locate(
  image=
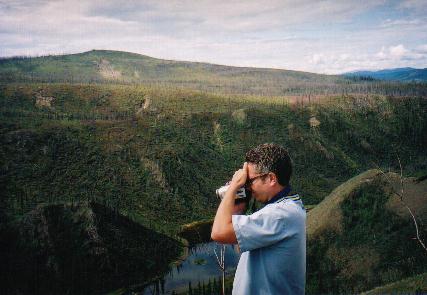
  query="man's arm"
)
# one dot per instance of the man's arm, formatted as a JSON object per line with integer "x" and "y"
{"x": 222, "y": 228}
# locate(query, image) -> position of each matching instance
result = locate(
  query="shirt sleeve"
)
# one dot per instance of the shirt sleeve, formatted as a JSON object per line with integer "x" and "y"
{"x": 261, "y": 229}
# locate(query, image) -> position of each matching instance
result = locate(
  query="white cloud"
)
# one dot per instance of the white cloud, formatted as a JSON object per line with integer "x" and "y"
{"x": 243, "y": 15}
{"x": 401, "y": 53}
{"x": 401, "y": 22}
{"x": 387, "y": 57}
{"x": 382, "y": 54}
{"x": 179, "y": 17}
{"x": 317, "y": 59}
{"x": 398, "y": 51}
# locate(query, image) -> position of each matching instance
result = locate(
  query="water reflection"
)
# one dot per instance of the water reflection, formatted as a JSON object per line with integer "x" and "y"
{"x": 200, "y": 266}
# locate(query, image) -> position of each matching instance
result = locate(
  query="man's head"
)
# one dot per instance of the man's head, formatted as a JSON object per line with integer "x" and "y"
{"x": 269, "y": 170}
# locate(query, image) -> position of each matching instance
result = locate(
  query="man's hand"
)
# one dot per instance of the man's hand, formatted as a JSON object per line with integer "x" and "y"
{"x": 222, "y": 228}
{"x": 239, "y": 178}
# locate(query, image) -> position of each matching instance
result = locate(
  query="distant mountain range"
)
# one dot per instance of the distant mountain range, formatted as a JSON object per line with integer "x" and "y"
{"x": 398, "y": 74}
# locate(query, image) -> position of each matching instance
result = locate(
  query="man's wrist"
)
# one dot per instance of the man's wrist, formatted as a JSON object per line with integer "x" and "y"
{"x": 231, "y": 193}
{"x": 233, "y": 188}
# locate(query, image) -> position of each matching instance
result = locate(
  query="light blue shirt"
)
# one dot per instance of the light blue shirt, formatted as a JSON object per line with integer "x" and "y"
{"x": 273, "y": 245}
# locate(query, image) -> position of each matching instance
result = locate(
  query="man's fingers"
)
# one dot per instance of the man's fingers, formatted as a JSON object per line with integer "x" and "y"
{"x": 240, "y": 176}
{"x": 245, "y": 166}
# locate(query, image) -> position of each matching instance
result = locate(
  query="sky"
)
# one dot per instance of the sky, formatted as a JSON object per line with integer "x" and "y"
{"x": 329, "y": 36}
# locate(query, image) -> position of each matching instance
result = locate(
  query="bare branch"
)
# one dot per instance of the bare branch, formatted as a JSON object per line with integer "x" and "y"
{"x": 401, "y": 198}
{"x": 401, "y": 178}
{"x": 220, "y": 259}
{"x": 221, "y": 264}
{"x": 416, "y": 226}
{"x": 388, "y": 179}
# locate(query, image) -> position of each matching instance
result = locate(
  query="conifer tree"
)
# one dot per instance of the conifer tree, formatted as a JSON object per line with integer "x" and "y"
{"x": 199, "y": 289}
{"x": 209, "y": 288}
{"x": 190, "y": 290}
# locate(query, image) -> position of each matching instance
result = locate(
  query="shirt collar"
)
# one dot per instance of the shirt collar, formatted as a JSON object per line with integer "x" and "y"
{"x": 282, "y": 194}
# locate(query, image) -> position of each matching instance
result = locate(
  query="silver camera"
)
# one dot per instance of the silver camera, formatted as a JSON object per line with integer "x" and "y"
{"x": 242, "y": 193}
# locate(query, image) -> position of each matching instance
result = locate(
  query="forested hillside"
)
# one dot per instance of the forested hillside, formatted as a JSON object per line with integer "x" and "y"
{"x": 146, "y": 150}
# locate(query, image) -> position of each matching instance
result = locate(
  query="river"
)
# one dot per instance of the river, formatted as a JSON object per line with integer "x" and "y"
{"x": 200, "y": 266}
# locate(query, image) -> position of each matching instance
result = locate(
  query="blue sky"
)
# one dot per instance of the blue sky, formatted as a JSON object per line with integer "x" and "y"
{"x": 315, "y": 36}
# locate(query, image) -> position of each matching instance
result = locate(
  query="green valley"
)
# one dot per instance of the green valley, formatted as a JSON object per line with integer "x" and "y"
{"x": 88, "y": 136}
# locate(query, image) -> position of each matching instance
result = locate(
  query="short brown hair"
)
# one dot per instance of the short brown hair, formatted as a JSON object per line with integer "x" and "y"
{"x": 270, "y": 157}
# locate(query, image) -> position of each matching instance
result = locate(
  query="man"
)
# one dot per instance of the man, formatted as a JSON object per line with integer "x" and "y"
{"x": 273, "y": 239}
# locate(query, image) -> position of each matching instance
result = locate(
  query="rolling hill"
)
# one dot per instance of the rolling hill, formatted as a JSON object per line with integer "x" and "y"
{"x": 104, "y": 66}
{"x": 116, "y": 67}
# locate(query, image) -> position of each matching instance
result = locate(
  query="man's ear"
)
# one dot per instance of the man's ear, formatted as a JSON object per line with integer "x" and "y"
{"x": 273, "y": 178}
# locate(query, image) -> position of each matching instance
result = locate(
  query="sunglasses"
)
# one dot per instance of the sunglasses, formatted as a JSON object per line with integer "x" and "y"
{"x": 249, "y": 181}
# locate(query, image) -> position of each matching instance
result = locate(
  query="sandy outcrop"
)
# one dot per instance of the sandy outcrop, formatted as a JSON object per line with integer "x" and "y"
{"x": 107, "y": 71}
{"x": 146, "y": 107}
{"x": 217, "y": 135}
{"x": 44, "y": 101}
{"x": 314, "y": 122}
{"x": 156, "y": 173}
{"x": 239, "y": 116}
